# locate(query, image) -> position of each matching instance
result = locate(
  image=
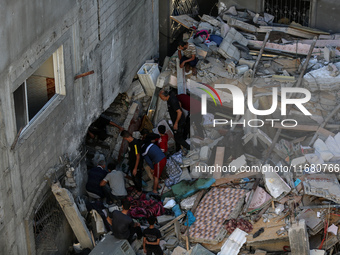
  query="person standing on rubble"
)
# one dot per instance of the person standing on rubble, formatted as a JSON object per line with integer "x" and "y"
{"x": 135, "y": 160}
{"x": 123, "y": 227}
{"x": 156, "y": 159}
{"x": 193, "y": 106}
{"x": 177, "y": 118}
{"x": 152, "y": 237}
{"x": 188, "y": 59}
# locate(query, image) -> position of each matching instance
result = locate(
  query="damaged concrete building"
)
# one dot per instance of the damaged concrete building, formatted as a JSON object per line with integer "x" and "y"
{"x": 45, "y": 110}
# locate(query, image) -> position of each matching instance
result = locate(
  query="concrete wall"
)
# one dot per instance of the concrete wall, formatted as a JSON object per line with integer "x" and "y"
{"x": 111, "y": 37}
{"x": 325, "y": 15}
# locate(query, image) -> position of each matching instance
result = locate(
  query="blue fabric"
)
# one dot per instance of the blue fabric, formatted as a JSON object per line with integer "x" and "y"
{"x": 177, "y": 210}
{"x": 154, "y": 155}
{"x": 190, "y": 219}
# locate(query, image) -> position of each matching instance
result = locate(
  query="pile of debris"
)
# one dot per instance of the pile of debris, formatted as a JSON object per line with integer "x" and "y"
{"x": 242, "y": 189}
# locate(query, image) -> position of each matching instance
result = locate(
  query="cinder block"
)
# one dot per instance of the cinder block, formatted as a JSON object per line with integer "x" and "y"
{"x": 298, "y": 238}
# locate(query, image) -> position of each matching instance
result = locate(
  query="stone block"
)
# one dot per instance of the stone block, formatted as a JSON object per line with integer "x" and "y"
{"x": 249, "y": 63}
{"x": 205, "y": 153}
{"x": 298, "y": 238}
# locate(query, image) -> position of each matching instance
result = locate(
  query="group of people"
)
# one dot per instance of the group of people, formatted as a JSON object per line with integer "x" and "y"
{"x": 110, "y": 183}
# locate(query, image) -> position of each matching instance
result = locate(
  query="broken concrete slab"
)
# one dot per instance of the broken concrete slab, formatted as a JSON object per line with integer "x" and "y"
{"x": 211, "y": 20}
{"x": 74, "y": 218}
{"x": 314, "y": 220}
{"x": 321, "y": 79}
{"x": 322, "y": 185}
{"x": 239, "y": 24}
{"x": 298, "y": 238}
{"x": 227, "y": 49}
{"x": 275, "y": 185}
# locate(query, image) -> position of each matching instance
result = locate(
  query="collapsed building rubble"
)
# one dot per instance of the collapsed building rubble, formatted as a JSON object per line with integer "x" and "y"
{"x": 241, "y": 189}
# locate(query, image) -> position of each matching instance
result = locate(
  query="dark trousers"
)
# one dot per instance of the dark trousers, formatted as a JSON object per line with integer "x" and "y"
{"x": 133, "y": 231}
{"x": 154, "y": 249}
{"x": 137, "y": 179}
{"x": 110, "y": 197}
{"x": 180, "y": 138}
{"x": 192, "y": 63}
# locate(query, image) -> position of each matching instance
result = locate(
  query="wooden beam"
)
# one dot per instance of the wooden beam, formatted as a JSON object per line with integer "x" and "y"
{"x": 219, "y": 162}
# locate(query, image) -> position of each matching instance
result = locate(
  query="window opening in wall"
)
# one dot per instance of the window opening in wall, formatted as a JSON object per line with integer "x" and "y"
{"x": 48, "y": 220}
{"x": 39, "y": 89}
{"x": 286, "y": 11}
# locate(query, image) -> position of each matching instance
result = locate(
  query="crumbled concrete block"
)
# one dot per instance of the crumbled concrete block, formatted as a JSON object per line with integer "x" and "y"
{"x": 249, "y": 63}
{"x": 205, "y": 153}
{"x": 227, "y": 49}
{"x": 241, "y": 69}
{"x": 298, "y": 238}
{"x": 238, "y": 163}
{"x": 321, "y": 79}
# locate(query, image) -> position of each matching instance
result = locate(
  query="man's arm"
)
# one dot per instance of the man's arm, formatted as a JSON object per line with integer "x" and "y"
{"x": 144, "y": 243}
{"x": 153, "y": 243}
{"x": 137, "y": 151}
{"x": 179, "y": 115}
{"x": 103, "y": 183}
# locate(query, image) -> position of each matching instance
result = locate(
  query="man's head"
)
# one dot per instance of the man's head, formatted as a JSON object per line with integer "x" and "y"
{"x": 111, "y": 166}
{"x": 152, "y": 220}
{"x": 164, "y": 95}
{"x": 183, "y": 45}
{"x": 126, "y": 136}
{"x": 161, "y": 129}
{"x": 126, "y": 205}
{"x": 144, "y": 133}
{"x": 102, "y": 163}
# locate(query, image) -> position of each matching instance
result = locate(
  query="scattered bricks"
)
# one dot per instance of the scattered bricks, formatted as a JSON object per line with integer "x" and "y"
{"x": 249, "y": 63}
{"x": 227, "y": 49}
{"x": 231, "y": 67}
{"x": 298, "y": 238}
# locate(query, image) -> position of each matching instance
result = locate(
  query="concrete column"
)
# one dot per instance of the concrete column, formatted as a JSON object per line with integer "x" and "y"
{"x": 76, "y": 221}
{"x": 298, "y": 238}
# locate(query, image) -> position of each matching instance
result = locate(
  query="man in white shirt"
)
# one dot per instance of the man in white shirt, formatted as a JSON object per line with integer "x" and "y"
{"x": 117, "y": 183}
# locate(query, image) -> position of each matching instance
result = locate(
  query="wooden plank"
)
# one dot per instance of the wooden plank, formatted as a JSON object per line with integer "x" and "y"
{"x": 235, "y": 177}
{"x": 171, "y": 222}
{"x": 308, "y": 29}
{"x": 177, "y": 229}
{"x": 219, "y": 162}
{"x": 185, "y": 20}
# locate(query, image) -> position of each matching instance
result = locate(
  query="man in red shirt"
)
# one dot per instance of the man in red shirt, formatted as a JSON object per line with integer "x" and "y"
{"x": 193, "y": 106}
{"x": 162, "y": 142}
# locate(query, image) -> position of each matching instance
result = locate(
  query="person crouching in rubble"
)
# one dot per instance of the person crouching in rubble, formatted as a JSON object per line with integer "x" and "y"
{"x": 189, "y": 59}
{"x": 156, "y": 159}
{"x": 95, "y": 176}
{"x": 123, "y": 227}
{"x": 177, "y": 118}
{"x": 115, "y": 178}
{"x": 135, "y": 161}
